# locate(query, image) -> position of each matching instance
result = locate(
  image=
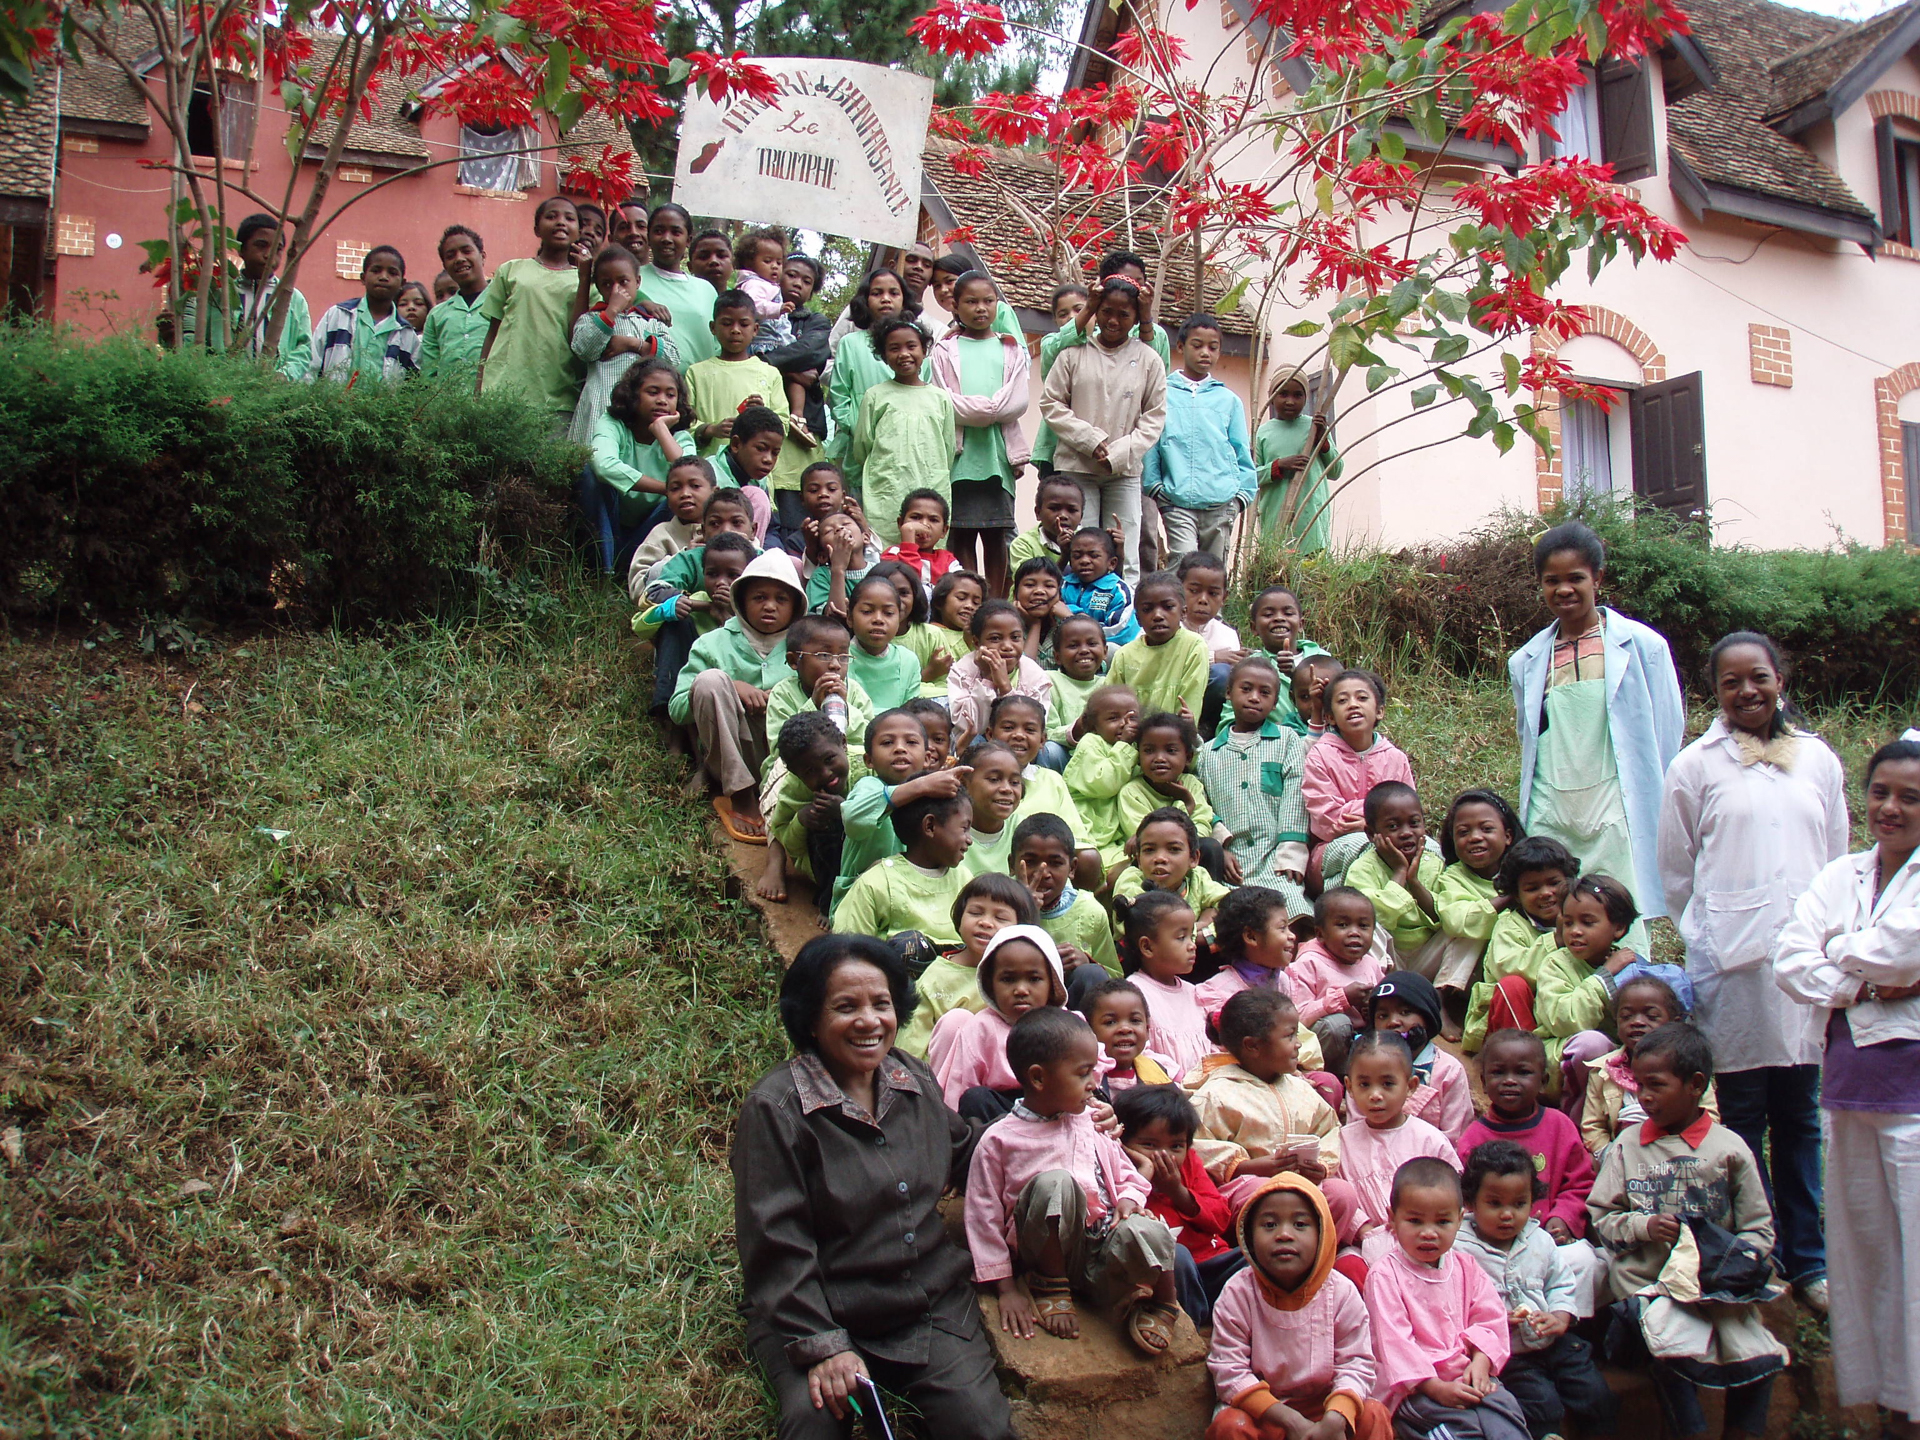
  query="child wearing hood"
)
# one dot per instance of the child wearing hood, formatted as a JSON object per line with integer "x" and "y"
{"x": 1292, "y": 1340}
{"x": 722, "y": 690}
{"x": 1019, "y": 971}
{"x": 1407, "y": 1002}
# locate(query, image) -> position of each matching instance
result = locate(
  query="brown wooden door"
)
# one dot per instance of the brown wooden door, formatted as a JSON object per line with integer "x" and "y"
{"x": 1669, "y": 445}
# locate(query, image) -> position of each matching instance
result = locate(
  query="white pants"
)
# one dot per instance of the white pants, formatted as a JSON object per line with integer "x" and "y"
{"x": 1117, "y": 497}
{"x": 1873, "y": 1258}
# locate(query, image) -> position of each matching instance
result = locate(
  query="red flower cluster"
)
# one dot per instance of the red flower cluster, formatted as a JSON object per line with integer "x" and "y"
{"x": 734, "y": 74}
{"x": 967, "y": 28}
{"x": 1143, "y": 43}
{"x": 606, "y": 178}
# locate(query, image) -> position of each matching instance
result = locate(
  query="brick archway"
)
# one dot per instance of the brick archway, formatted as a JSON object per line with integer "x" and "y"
{"x": 1887, "y": 391}
{"x": 1609, "y": 325}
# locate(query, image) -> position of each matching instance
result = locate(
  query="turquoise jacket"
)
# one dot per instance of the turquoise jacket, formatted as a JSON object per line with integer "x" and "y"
{"x": 1204, "y": 457}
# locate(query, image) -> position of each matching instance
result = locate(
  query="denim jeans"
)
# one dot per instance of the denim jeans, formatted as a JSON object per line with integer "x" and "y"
{"x": 613, "y": 543}
{"x": 1680, "y": 1400}
{"x": 1053, "y": 756}
{"x": 1776, "y": 1110}
{"x": 1198, "y": 1283}
{"x": 671, "y": 646}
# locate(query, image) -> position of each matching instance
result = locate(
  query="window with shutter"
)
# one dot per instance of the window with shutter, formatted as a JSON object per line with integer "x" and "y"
{"x": 1626, "y": 118}
{"x": 1910, "y": 454}
{"x": 1899, "y": 162}
{"x": 1668, "y": 425}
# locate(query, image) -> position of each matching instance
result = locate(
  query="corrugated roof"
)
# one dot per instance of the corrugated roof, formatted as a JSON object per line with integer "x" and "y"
{"x": 1000, "y": 234}
{"x": 26, "y": 148}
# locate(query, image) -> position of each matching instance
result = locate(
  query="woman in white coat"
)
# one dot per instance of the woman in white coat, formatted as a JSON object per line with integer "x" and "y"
{"x": 1754, "y": 809}
{"x": 1852, "y": 951}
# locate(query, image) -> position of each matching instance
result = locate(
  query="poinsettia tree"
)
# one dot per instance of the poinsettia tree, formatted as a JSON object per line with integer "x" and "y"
{"x": 1326, "y": 188}
{"x": 540, "y": 64}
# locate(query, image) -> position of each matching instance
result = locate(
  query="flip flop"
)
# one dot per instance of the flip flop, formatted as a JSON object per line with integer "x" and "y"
{"x": 723, "y": 807}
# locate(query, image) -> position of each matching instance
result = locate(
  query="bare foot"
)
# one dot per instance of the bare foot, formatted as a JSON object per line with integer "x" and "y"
{"x": 773, "y": 880}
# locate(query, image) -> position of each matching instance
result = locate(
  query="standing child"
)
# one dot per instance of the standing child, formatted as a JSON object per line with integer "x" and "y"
{"x": 611, "y": 336}
{"x": 889, "y": 672}
{"x": 996, "y": 666}
{"x": 1252, "y": 771}
{"x": 456, "y": 328}
{"x": 1049, "y": 1195}
{"x": 366, "y": 339}
{"x": 1383, "y": 1137}
{"x": 1079, "y": 654}
{"x": 1552, "y": 1371}
{"x": 414, "y": 304}
{"x": 1019, "y": 971}
{"x": 1578, "y": 982}
{"x": 1065, "y": 305}
{"x": 1439, "y": 1327}
{"x": 915, "y": 889}
{"x": 986, "y": 374}
{"x": 1043, "y": 853}
{"x": 857, "y": 363}
{"x": 1157, "y": 1124}
{"x": 1398, "y": 873}
{"x": 528, "y": 307}
{"x": 759, "y": 258}
{"x": 1167, "y": 664}
{"x": 923, "y": 525}
{"x": 731, "y": 381}
{"x": 1344, "y": 765}
{"x": 986, "y": 905}
{"x": 1643, "y": 1005}
{"x": 1057, "y": 506}
{"x": 1117, "y": 1011}
{"x": 687, "y": 298}
{"x": 899, "y": 773}
{"x": 1535, "y": 875}
{"x": 1479, "y": 830}
{"x": 1105, "y": 761}
{"x": 904, "y": 439}
{"x": 1296, "y": 460}
{"x": 642, "y": 432}
{"x": 1091, "y": 585}
{"x": 1275, "y": 620}
{"x": 1407, "y": 1004}
{"x": 1335, "y": 972}
{"x": 1156, "y": 947}
{"x": 1680, "y": 1171}
{"x": 1200, "y": 472}
{"x": 1292, "y": 1352}
{"x": 1203, "y": 575}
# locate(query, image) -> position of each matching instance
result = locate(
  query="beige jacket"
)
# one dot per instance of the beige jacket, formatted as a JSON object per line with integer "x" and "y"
{"x": 1096, "y": 396}
{"x": 1243, "y": 1117}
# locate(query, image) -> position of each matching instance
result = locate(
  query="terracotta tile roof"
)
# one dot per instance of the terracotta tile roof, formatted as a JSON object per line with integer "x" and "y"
{"x": 1029, "y": 284}
{"x": 1722, "y": 133}
{"x": 1812, "y": 71}
{"x": 26, "y": 148}
{"x": 594, "y": 131}
{"x": 99, "y": 89}
{"x": 384, "y": 132}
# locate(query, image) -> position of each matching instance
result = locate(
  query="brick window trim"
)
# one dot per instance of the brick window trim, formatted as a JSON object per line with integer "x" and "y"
{"x": 1884, "y": 103}
{"x": 1609, "y": 325}
{"x": 348, "y": 256}
{"x": 1887, "y": 391}
{"x": 73, "y": 235}
{"x": 1770, "y": 355}
{"x": 479, "y": 193}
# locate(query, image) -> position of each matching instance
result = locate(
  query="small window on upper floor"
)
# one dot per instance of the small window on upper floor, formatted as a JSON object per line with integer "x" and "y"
{"x": 494, "y": 159}
{"x": 236, "y": 120}
{"x": 1610, "y": 118}
{"x": 1899, "y": 156}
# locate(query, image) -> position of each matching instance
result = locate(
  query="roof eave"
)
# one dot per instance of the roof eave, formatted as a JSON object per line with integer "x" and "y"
{"x": 1851, "y": 86}
{"x": 1701, "y": 196}
{"x": 1686, "y": 68}
{"x": 104, "y": 129}
{"x": 1458, "y": 147}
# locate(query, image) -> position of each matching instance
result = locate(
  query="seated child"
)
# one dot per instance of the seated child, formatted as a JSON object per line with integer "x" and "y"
{"x": 1252, "y": 770}
{"x": 1275, "y": 620}
{"x": 885, "y": 669}
{"x": 1117, "y": 1011}
{"x": 937, "y": 725}
{"x": 1344, "y": 765}
{"x": 722, "y": 690}
{"x": 726, "y": 512}
{"x": 1043, "y": 856}
{"x": 1050, "y": 1195}
{"x": 1552, "y": 1371}
{"x": 1079, "y": 654}
{"x": 1439, "y": 1327}
{"x": 945, "y": 636}
{"x": 1336, "y": 971}
{"x": 1258, "y": 1114}
{"x": 805, "y": 816}
{"x": 1203, "y": 575}
{"x": 1157, "y": 1124}
{"x": 1253, "y": 944}
{"x": 1308, "y": 691}
{"x": 1156, "y": 946}
{"x": 1092, "y": 584}
{"x": 1397, "y": 872}
{"x": 689, "y": 485}
{"x": 1678, "y": 1168}
{"x": 1036, "y": 595}
{"x": 1167, "y": 664}
{"x": 1573, "y": 1003}
{"x": 996, "y": 789}
{"x": 749, "y": 452}
{"x": 1019, "y": 971}
{"x": 923, "y": 525}
{"x": 915, "y": 889}
{"x": 817, "y": 654}
{"x": 1641, "y": 1006}
{"x": 986, "y": 905}
{"x": 831, "y": 547}
{"x": 1535, "y": 875}
{"x": 637, "y": 432}
{"x": 611, "y": 337}
{"x": 723, "y": 559}
{"x": 997, "y": 666}
{"x": 1513, "y": 1070}
{"x": 1480, "y": 828}
{"x": 1406, "y": 1003}
{"x": 1104, "y": 762}
{"x": 1166, "y": 857}
{"x": 901, "y": 769}
{"x": 1056, "y": 505}
{"x": 1382, "y": 1136}
{"x": 1020, "y": 722}
{"x": 1167, "y": 746}
{"x": 1292, "y": 1352}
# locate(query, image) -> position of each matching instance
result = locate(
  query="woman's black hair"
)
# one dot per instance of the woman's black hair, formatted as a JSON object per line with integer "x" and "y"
{"x": 1372, "y": 681}
{"x": 1888, "y": 753}
{"x": 1503, "y": 1158}
{"x": 803, "y": 989}
{"x": 917, "y": 605}
{"x": 1014, "y": 700}
{"x": 1614, "y": 898}
{"x": 1141, "y": 916}
{"x": 990, "y": 608}
{"x": 1787, "y": 716}
{"x": 541, "y": 208}
{"x": 944, "y": 587}
{"x": 1199, "y": 560}
{"x": 1251, "y": 1014}
{"x": 926, "y": 492}
{"x": 992, "y": 885}
{"x": 1493, "y": 801}
{"x": 1197, "y": 322}
{"x": 1188, "y": 732}
{"x": 798, "y": 257}
{"x": 879, "y": 331}
{"x": 858, "y": 307}
{"x": 1573, "y": 536}
{"x": 1105, "y": 538}
{"x": 1172, "y": 815}
{"x": 624, "y": 403}
{"x": 1390, "y": 1041}
{"x": 1112, "y": 985}
{"x": 680, "y": 210}
{"x": 1246, "y": 910}
{"x": 1140, "y": 1106}
{"x": 1536, "y": 852}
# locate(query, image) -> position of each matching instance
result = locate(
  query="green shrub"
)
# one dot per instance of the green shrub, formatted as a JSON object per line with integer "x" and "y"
{"x": 1848, "y": 620}
{"x": 136, "y": 480}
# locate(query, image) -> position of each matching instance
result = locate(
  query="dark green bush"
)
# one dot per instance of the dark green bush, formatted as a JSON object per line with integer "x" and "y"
{"x": 1848, "y": 620}
{"x": 136, "y": 480}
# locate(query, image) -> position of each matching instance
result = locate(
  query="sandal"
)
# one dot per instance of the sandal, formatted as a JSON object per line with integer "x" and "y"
{"x": 1150, "y": 1325}
{"x": 723, "y": 807}
{"x": 1052, "y": 1296}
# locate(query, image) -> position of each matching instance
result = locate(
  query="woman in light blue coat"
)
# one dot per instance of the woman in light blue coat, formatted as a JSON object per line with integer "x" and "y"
{"x": 1600, "y": 719}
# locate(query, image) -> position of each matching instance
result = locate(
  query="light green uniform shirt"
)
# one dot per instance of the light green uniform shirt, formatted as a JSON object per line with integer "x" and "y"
{"x": 1517, "y": 946}
{"x": 923, "y": 640}
{"x": 690, "y": 300}
{"x": 866, "y": 817}
{"x": 856, "y": 370}
{"x": 455, "y": 334}
{"x": 717, "y": 388}
{"x": 944, "y": 985}
{"x": 1080, "y": 920}
{"x": 622, "y": 461}
{"x": 1031, "y": 545}
{"x": 897, "y": 895}
{"x": 787, "y": 700}
{"x": 1201, "y": 891}
{"x": 1138, "y": 799}
{"x": 1570, "y": 996}
{"x": 293, "y": 357}
{"x": 903, "y": 443}
{"x": 1047, "y": 791}
{"x": 890, "y": 678}
{"x": 1095, "y": 776}
{"x": 1464, "y": 897}
{"x": 533, "y": 351}
{"x": 727, "y": 649}
{"x": 1164, "y": 675}
{"x": 1067, "y": 703}
{"x": 983, "y": 450}
{"x": 1394, "y": 907}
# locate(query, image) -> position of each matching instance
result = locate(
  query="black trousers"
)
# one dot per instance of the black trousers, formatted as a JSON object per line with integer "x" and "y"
{"x": 956, "y": 1392}
{"x": 1563, "y": 1379}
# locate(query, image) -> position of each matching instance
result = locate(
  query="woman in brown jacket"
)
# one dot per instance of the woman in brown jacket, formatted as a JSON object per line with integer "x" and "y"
{"x": 839, "y": 1160}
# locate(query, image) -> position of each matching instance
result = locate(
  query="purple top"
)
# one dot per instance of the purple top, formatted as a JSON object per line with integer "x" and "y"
{"x": 1883, "y": 1078}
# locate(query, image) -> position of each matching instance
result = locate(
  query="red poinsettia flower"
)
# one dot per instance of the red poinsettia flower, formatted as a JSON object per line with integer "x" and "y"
{"x": 734, "y": 74}
{"x": 967, "y": 28}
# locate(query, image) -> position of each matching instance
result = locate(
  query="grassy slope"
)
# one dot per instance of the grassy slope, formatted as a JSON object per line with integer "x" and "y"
{"x": 456, "y": 1056}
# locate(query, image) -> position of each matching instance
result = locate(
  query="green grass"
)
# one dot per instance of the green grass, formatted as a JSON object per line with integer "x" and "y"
{"x": 413, "y": 1120}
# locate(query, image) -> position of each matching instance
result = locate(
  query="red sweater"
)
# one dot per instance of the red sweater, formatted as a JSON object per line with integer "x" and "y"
{"x": 1565, "y": 1168}
{"x": 1204, "y": 1234}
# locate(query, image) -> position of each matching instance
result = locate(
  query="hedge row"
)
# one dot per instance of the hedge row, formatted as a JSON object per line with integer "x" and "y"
{"x": 133, "y": 480}
{"x": 1847, "y": 619}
